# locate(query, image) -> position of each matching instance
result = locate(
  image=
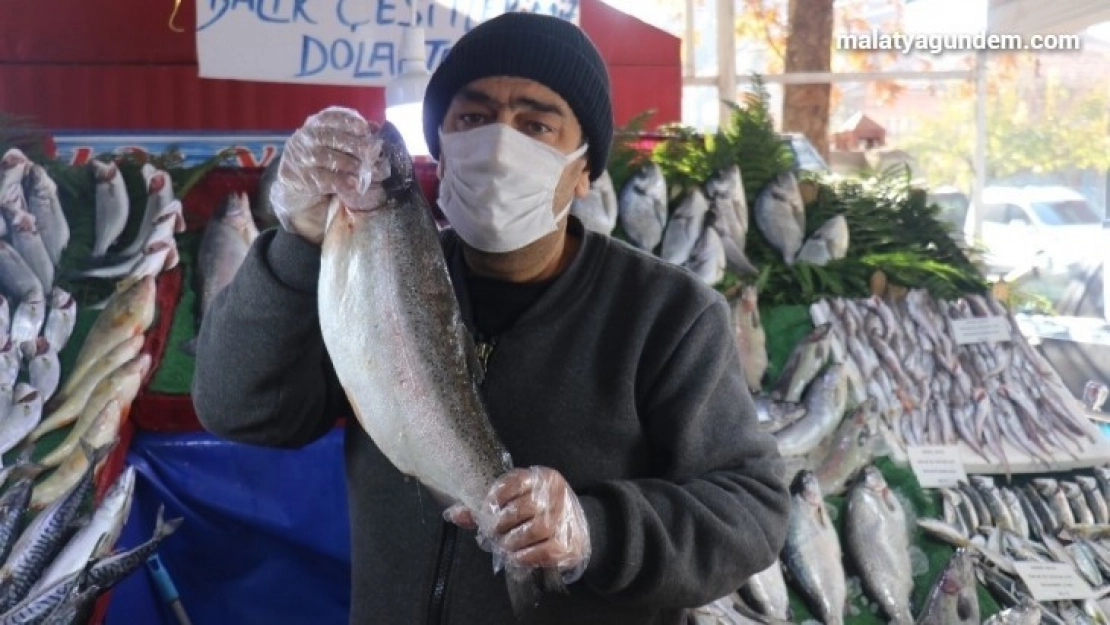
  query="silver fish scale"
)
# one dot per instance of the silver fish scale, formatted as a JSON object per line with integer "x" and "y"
{"x": 44, "y": 538}
{"x": 879, "y": 543}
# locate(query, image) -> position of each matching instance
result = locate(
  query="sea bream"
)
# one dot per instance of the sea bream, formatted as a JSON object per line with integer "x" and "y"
{"x": 780, "y": 215}
{"x": 685, "y": 226}
{"x": 41, "y": 194}
{"x": 112, "y": 206}
{"x": 408, "y": 365}
{"x": 827, "y": 243}
{"x": 725, "y": 190}
{"x": 812, "y": 552}
{"x": 707, "y": 257}
{"x": 642, "y": 207}
{"x": 598, "y": 210}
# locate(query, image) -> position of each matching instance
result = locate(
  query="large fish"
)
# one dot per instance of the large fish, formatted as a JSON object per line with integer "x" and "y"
{"x": 44, "y": 537}
{"x": 707, "y": 258}
{"x": 808, "y": 357}
{"x": 827, "y": 243}
{"x": 642, "y": 207}
{"x": 112, "y": 206}
{"x": 780, "y": 215}
{"x": 750, "y": 337}
{"x": 103, "y": 573}
{"x": 263, "y": 209}
{"x": 725, "y": 190}
{"x": 953, "y": 600}
{"x": 812, "y": 552}
{"x": 879, "y": 542}
{"x": 43, "y": 202}
{"x": 159, "y": 194}
{"x": 685, "y": 226}
{"x": 226, "y": 241}
{"x": 849, "y": 449}
{"x": 598, "y": 210}
{"x": 825, "y": 400}
{"x": 130, "y": 312}
{"x": 408, "y": 365}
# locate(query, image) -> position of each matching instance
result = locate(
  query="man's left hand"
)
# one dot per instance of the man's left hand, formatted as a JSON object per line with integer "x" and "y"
{"x": 537, "y": 521}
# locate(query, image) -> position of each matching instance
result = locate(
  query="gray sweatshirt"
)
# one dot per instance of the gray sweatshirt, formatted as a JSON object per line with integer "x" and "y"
{"x": 624, "y": 376}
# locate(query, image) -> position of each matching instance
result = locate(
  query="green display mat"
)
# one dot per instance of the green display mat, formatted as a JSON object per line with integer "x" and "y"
{"x": 174, "y": 374}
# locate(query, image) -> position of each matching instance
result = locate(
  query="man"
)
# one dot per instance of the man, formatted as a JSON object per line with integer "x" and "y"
{"x": 611, "y": 376}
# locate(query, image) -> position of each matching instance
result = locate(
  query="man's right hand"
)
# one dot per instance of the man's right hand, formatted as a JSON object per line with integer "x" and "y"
{"x": 321, "y": 159}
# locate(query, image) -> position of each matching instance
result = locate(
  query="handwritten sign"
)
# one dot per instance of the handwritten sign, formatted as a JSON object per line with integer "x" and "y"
{"x": 337, "y": 42}
{"x": 981, "y": 330}
{"x": 1053, "y": 581}
{"x": 937, "y": 466}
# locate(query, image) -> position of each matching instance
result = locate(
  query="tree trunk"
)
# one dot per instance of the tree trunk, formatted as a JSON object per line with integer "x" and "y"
{"x": 809, "y": 49}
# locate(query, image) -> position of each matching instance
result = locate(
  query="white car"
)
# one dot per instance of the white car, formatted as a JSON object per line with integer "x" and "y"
{"x": 1047, "y": 227}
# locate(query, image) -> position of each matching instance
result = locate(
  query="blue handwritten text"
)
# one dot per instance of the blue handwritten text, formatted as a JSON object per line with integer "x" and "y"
{"x": 273, "y": 11}
{"x": 360, "y": 58}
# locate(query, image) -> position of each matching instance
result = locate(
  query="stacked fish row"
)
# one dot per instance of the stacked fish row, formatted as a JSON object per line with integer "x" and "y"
{"x": 708, "y": 229}
{"x": 43, "y": 558}
{"x": 51, "y": 573}
{"x": 1043, "y": 520}
{"x": 873, "y": 542}
{"x": 902, "y": 354}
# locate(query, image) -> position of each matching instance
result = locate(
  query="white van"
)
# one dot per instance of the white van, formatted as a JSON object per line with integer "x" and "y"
{"x": 1048, "y": 227}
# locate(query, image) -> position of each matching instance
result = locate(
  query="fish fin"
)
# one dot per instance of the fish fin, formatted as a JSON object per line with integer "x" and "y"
{"x": 526, "y": 586}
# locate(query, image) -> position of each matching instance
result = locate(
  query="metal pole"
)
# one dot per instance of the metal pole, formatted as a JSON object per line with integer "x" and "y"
{"x": 975, "y": 213}
{"x": 804, "y": 78}
{"x": 690, "y": 64}
{"x": 726, "y": 57}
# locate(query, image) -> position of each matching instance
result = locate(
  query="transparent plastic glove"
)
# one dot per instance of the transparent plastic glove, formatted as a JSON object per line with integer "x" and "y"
{"x": 331, "y": 154}
{"x": 537, "y": 522}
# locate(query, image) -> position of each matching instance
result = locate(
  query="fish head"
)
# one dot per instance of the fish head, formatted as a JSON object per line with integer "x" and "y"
{"x": 13, "y": 158}
{"x": 103, "y": 172}
{"x": 749, "y": 294}
{"x": 157, "y": 181}
{"x": 24, "y": 393}
{"x": 872, "y": 479}
{"x": 807, "y": 486}
{"x": 33, "y": 297}
{"x": 61, "y": 298}
{"x": 23, "y": 221}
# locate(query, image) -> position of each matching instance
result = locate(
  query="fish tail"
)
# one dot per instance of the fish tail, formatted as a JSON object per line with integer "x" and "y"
{"x": 526, "y": 586}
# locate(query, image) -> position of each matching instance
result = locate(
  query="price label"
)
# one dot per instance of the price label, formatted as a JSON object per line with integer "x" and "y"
{"x": 1053, "y": 581}
{"x": 981, "y": 330}
{"x": 937, "y": 466}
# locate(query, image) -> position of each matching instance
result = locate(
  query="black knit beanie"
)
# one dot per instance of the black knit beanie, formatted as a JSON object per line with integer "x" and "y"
{"x": 546, "y": 49}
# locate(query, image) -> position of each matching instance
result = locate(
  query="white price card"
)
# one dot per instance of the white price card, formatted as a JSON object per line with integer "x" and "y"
{"x": 1053, "y": 581}
{"x": 937, "y": 466}
{"x": 981, "y": 330}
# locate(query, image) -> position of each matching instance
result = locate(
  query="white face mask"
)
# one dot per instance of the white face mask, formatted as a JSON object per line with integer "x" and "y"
{"x": 498, "y": 186}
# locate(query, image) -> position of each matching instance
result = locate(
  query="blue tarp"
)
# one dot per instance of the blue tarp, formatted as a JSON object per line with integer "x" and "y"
{"x": 265, "y": 537}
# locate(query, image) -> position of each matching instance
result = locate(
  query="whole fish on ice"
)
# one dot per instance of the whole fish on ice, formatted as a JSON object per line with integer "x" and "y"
{"x": 953, "y": 600}
{"x": 878, "y": 537}
{"x": 824, "y": 400}
{"x": 642, "y": 207}
{"x": 813, "y": 553}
